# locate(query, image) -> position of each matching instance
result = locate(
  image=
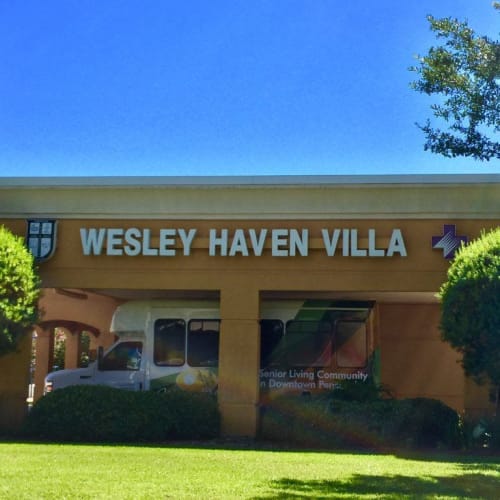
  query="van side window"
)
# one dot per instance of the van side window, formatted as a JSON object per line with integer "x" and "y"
{"x": 169, "y": 342}
{"x": 271, "y": 342}
{"x": 124, "y": 356}
{"x": 203, "y": 342}
{"x": 309, "y": 343}
{"x": 351, "y": 344}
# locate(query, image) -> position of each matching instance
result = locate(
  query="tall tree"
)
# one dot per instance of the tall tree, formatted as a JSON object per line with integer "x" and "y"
{"x": 470, "y": 301}
{"x": 19, "y": 290}
{"x": 464, "y": 72}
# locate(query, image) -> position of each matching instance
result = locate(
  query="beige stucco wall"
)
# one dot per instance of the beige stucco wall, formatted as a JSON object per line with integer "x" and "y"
{"x": 14, "y": 386}
{"x": 414, "y": 361}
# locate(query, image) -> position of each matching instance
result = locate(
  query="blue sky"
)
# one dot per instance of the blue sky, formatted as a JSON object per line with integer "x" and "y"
{"x": 152, "y": 87}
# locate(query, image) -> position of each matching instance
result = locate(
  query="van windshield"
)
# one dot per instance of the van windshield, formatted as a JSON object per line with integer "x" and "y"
{"x": 124, "y": 356}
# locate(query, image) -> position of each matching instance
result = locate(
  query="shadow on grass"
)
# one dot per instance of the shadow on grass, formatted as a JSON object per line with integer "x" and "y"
{"x": 359, "y": 486}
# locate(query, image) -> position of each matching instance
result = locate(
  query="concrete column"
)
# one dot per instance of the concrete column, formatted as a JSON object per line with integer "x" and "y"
{"x": 44, "y": 354}
{"x": 73, "y": 349}
{"x": 238, "y": 390}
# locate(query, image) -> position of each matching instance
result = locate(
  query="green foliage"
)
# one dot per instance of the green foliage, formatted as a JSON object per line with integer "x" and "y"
{"x": 89, "y": 413}
{"x": 356, "y": 390}
{"x": 465, "y": 73}
{"x": 59, "y": 350}
{"x": 376, "y": 424}
{"x": 483, "y": 433}
{"x": 428, "y": 422}
{"x": 470, "y": 300}
{"x": 19, "y": 290}
{"x": 85, "y": 348}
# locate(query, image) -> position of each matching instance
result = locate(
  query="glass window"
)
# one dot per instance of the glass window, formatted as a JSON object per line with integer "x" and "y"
{"x": 271, "y": 345}
{"x": 169, "y": 342}
{"x": 308, "y": 343}
{"x": 203, "y": 342}
{"x": 351, "y": 344}
{"x": 124, "y": 356}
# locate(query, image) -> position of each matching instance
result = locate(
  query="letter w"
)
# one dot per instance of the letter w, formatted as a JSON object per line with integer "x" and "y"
{"x": 92, "y": 240}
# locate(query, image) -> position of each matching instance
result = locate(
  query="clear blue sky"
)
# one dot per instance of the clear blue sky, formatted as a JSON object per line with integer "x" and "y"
{"x": 250, "y": 87}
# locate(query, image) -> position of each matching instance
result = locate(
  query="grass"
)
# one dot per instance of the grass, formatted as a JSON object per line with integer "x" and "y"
{"x": 57, "y": 471}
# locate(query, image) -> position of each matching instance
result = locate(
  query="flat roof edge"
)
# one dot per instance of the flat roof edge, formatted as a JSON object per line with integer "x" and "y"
{"x": 247, "y": 181}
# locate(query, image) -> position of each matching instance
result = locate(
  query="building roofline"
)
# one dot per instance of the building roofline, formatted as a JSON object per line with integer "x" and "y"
{"x": 247, "y": 181}
{"x": 248, "y": 197}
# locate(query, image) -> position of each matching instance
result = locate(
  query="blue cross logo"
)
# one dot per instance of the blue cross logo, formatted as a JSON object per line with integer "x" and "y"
{"x": 449, "y": 242}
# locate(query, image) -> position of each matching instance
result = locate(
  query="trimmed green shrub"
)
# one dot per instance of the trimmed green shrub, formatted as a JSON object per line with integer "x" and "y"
{"x": 194, "y": 415}
{"x": 483, "y": 433}
{"x": 379, "y": 423}
{"x": 90, "y": 413}
{"x": 356, "y": 390}
{"x": 307, "y": 421}
{"x": 430, "y": 423}
{"x": 470, "y": 303}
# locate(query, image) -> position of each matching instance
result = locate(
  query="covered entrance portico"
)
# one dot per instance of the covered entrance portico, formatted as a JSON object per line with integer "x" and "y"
{"x": 245, "y": 241}
{"x": 427, "y": 363}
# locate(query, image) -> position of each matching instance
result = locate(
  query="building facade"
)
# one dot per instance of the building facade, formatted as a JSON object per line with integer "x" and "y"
{"x": 378, "y": 243}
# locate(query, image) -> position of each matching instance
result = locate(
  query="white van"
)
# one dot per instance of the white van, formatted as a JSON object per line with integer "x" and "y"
{"x": 152, "y": 349}
{"x": 305, "y": 346}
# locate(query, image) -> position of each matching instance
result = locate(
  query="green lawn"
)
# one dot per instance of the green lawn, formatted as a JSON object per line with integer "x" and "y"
{"x": 54, "y": 471}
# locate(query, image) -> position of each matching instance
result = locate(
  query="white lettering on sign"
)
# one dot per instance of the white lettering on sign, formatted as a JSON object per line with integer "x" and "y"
{"x": 289, "y": 242}
{"x": 218, "y": 241}
{"x": 284, "y": 242}
{"x": 397, "y": 244}
{"x": 257, "y": 242}
{"x": 92, "y": 240}
{"x": 352, "y": 248}
{"x": 187, "y": 240}
{"x": 373, "y": 251}
{"x": 330, "y": 242}
{"x": 281, "y": 242}
{"x": 133, "y": 242}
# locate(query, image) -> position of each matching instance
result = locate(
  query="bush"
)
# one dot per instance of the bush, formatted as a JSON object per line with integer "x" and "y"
{"x": 19, "y": 291}
{"x": 319, "y": 421}
{"x": 103, "y": 414}
{"x": 194, "y": 415}
{"x": 356, "y": 390}
{"x": 430, "y": 423}
{"x": 483, "y": 433}
{"x": 338, "y": 423}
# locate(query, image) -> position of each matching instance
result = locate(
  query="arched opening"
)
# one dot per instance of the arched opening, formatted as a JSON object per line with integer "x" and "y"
{"x": 58, "y": 345}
